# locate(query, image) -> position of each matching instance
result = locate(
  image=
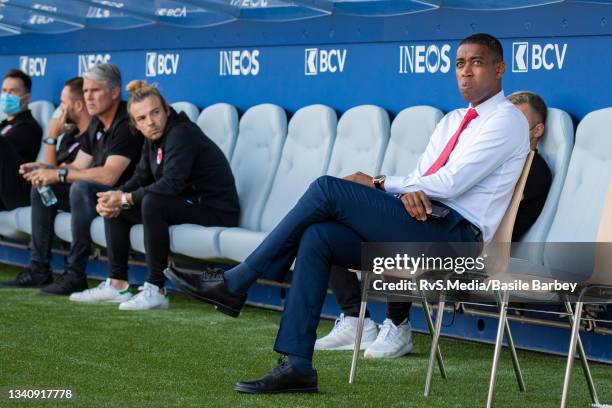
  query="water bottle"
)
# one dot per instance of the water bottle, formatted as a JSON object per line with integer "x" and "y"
{"x": 47, "y": 196}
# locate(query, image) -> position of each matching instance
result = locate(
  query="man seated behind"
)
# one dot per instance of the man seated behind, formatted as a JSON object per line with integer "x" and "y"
{"x": 20, "y": 137}
{"x": 395, "y": 336}
{"x": 470, "y": 166}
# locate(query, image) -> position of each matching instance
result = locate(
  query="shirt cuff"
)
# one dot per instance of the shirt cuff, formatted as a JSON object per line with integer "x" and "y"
{"x": 394, "y": 184}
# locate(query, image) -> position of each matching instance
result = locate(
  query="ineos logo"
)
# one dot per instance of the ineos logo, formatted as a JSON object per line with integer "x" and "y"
{"x": 238, "y": 63}
{"x": 419, "y": 59}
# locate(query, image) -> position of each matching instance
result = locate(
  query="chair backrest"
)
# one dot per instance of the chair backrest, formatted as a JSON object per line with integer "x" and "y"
{"x": 556, "y": 149}
{"x": 410, "y": 133}
{"x": 189, "y": 108}
{"x": 42, "y": 112}
{"x": 361, "y": 139}
{"x": 582, "y": 197}
{"x": 602, "y": 274}
{"x": 262, "y": 132}
{"x": 305, "y": 157}
{"x": 220, "y": 123}
{"x": 503, "y": 233}
{"x": 498, "y": 250}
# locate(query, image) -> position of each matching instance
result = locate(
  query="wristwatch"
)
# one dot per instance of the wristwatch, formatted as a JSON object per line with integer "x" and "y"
{"x": 50, "y": 141}
{"x": 62, "y": 174}
{"x": 124, "y": 202}
{"x": 378, "y": 181}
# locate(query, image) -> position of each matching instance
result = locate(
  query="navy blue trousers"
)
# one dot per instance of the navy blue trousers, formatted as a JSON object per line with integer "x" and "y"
{"x": 326, "y": 227}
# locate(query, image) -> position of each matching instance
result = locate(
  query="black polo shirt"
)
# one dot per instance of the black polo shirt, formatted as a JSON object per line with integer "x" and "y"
{"x": 117, "y": 140}
{"x": 24, "y": 134}
{"x": 70, "y": 145}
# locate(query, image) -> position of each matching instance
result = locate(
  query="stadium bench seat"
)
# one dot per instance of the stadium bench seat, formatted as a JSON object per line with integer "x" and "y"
{"x": 305, "y": 157}
{"x": 220, "y": 123}
{"x": 262, "y": 133}
{"x": 189, "y": 108}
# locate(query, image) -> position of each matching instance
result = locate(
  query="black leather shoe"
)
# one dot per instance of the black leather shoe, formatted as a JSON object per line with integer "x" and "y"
{"x": 28, "y": 278}
{"x": 66, "y": 284}
{"x": 208, "y": 286}
{"x": 282, "y": 379}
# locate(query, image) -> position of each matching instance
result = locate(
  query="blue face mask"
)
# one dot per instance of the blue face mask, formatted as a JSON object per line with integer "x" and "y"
{"x": 9, "y": 103}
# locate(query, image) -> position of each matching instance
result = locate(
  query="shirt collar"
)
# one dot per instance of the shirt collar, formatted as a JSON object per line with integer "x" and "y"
{"x": 490, "y": 104}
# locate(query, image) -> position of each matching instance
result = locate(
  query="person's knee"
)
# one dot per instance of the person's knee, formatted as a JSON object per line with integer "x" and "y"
{"x": 152, "y": 206}
{"x": 80, "y": 190}
{"x": 35, "y": 197}
{"x": 322, "y": 185}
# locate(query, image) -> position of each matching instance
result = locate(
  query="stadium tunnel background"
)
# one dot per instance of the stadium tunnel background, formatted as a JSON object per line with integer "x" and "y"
{"x": 341, "y": 54}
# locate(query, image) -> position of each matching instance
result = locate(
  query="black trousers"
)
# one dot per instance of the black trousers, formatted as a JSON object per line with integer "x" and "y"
{"x": 14, "y": 189}
{"x": 347, "y": 289}
{"x": 156, "y": 213}
{"x": 80, "y": 199}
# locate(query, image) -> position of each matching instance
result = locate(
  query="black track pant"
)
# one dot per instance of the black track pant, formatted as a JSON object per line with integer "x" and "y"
{"x": 156, "y": 213}
{"x": 14, "y": 189}
{"x": 347, "y": 289}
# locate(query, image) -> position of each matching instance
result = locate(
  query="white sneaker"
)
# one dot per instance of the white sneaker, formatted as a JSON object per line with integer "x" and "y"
{"x": 342, "y": 336}
{"x": 104, "y": 292}
{"x": 148, "y": 298}
{"x": 392, "y": 341}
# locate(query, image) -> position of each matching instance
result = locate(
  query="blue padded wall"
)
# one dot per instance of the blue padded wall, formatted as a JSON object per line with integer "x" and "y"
{"x": 561, "y": 51}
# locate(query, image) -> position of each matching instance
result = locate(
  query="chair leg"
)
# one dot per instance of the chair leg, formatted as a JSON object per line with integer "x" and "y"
{"x": 365, "y": 282}
{"x": 434, "y": 342}
{"x": 583, "y": 358}
{"x": 515, "y": 361}
{"x": 430, "y": 326}
{"x": 571, "y": 354}
{"x": 503, "y": 307}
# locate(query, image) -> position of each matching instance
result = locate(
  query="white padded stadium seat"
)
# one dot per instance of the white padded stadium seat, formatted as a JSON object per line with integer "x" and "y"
{"x": 97, "y": 232}
{"x": 262, "y": 133}
{"x": 42, "y": 112}
{"x": 189, "y": 108}
{"x": 8, "y": 225}
{"x": 23, "y": 217}
{"x": 582, "y": 197}
{"x": 62, "y": 226}
{"x": 361, "y": 139}
{"x": 220, "y": 123}
{"x": 305, "y": 157}
{"x": 556, "y": 148}
{"x": 410, "y": 133}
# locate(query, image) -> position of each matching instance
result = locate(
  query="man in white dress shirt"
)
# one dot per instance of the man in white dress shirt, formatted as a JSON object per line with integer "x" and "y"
{"x": 470, "y": 167}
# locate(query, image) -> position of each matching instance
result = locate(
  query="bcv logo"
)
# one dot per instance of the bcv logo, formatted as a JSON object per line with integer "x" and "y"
{"x": 418, "y": 59}
{"x": 537, "y": 56}
{"x": 238, "y": 63}
{"x": 88, "y": 61}
{"x": 161, "y": 64}
{"x": 321, "y": 61}
{"x": 33, "y": 66}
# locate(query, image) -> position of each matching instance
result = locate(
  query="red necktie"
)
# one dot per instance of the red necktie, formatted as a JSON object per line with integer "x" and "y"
{"x": 441, "y": 161}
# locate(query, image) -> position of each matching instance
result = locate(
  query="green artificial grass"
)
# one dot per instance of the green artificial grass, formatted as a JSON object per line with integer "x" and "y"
{"x": 191, "y": 355}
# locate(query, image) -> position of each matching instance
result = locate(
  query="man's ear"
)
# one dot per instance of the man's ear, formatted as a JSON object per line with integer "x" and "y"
{"x": 116, "y": 93}
{"x": 538, "y": 131}
{"x": 500, "y": 69}
{"x": 25, "y": 100}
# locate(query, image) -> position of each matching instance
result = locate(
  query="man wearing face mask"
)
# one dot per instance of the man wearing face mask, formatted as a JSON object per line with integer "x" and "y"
{"x": 20, "y": 137}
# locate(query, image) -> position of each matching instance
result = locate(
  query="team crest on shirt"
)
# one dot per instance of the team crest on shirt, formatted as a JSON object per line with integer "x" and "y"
{"x": 160, "y": 155}
{"x": 6, "y": 129}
